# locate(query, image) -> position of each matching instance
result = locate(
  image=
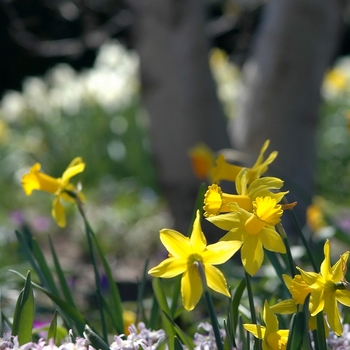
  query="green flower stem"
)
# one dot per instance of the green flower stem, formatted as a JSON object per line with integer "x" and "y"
{"x": 303, "y": 240}
{"x": 213, "y": 318}
{"x": 88, "y": 231}
{"x": 288, "y": 251}
{"x": 252, "y": 308}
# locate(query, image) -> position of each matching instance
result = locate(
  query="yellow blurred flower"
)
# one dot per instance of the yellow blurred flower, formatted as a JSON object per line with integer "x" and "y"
{"x": 315, "y": 218}
{"x": 336, "y": 80}
{"x": 255, "y": 230}
{"x": 272, "y": 337}
{"x": 184, "y": 256}
{"x": 328, "y": 288}
{"x": 129, "y": 318}
{"x": 60, "y": 187}
{"x": 202, "y": 161}
{"x": 216, "y": 201}
{"x": 229, "y": 172}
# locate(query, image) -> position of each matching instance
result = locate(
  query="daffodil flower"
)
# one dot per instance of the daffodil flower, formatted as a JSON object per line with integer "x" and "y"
{"x": 328, "y": 288}
{"x": 272, "y": 337}
{"x": 255, "y": 230}
{"x": 216, "y": 201}
{"x": 299, "y": 290}
{"x": 202, "y": 161}
{"x": 184, "y": 256}
{"x": 60, "y": 187}
{"x": 229, "y": 172}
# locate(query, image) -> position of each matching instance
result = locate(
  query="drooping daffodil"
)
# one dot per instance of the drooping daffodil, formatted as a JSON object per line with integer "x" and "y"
{"x": 60, "y": 187}
{"x": 185, "y": 254}
{"x": 216, "y": 201}
{"x": 226, "y": 171}
{"x": 329, "y": 288}
{"x": 272, "y": 337}
{"x": 254, "y": 229}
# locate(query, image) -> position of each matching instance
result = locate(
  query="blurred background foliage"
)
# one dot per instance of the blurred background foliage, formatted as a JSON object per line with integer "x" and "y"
{"x": 96, "y": 113}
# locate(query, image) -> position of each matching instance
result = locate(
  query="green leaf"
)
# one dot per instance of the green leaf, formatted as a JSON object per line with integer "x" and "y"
{"x": 51, "y": 334}
{"x": 66, "y": 309}
{"x": 24, "y": 313}
{"x": 166, "y": 319}
{"x": 177, "y": 344}
{"x": 63, "y": 283}
{"x": 44, "y": 268}
{"x": 234, "y": 305}
{"x": 96, "y": 340}
{"x": 117, "y": 307}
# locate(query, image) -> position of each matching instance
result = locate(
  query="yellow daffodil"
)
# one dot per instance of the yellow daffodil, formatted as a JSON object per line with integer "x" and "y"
{"x": 216, "y": 201}
{"x": 202, "y": 161}
{"x": 272, "y": 337}
{"x": 60, "y": 187}
{"x": 229, "y": 172}
{"x": 328, "y": 288}
{"x": 184, "y": 256}
{"x": 255, "y": 230}
{"x": 299, "y": 291}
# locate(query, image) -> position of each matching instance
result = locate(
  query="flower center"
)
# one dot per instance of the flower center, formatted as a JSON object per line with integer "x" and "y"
{"x": 267, "y": 210}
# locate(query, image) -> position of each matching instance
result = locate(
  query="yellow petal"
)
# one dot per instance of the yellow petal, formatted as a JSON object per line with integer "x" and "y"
{"x": 257, "y": 331}
{"x": 177, "y": 244}
{"x": 224, "y": 170}
{"x": 226, "y": 221}
{"x": 252, "y": 254}
{"x": 75, "y": 167}
{"x": 242, "y": 182}
{"x": 318, "y": 301}
{"x": 58, "y": 212}
{"x": 218, "y": 253}
{"x": 198, "y": 241}
{"x": 333, "y": 315}
{"x": 270, "y": 319}
{"x": 343, "y": 296}
{"x": 309, "y": 277}
{"x": 325, "y": 269}
{"x": 191, "y": 288}
{"x": 236, "y": 234}
{"x": 168, "y": 268}
{"x": 37, "y": 180}
{"x": 271, "y": 240}
{"x": 216, "y": 280}
{"x": 285, "y": 307}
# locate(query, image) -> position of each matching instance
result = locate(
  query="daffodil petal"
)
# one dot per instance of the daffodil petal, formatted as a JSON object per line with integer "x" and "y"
{"x": 198, "y": 240}
{"x": 270, "y": 319}
{"x": 236, "y": 234}
{"x": 318, "y": 301}
{"x": 58, "y": 212}
{"x": 220, "y": 252}
{"x": 36, "y": 180}
{"x": 271, "y": 240}
{"x": 325, "y": 269}
{"x": 309, "y": 277}
{"x": 343, "y": 296}
{"x": 225, "y": 221}
{"x": 285, "y": 307}
{"x": 168, "y": 268}
{"x": 216, "y": 280}
{"x": 191, "y": 288}
{"x": 75, "y": 167}
{"x": 333, "y": 315}
{"x": 252, "y": 254}
{"x": 177, "y": 244}
{"x": 256, "y": 330}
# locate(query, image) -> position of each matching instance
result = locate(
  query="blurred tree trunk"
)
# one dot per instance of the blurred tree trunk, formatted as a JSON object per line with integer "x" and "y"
{"x": 179, "y": 94}
{"x": 295, "y": 45}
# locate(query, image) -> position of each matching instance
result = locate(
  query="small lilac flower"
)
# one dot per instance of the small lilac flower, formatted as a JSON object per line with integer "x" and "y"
{"x": 340, "y": 343}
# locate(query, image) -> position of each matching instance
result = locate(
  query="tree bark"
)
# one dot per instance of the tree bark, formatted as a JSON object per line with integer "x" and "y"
{"x": 294, "y": 47}
{"x": 179, "y": 94}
